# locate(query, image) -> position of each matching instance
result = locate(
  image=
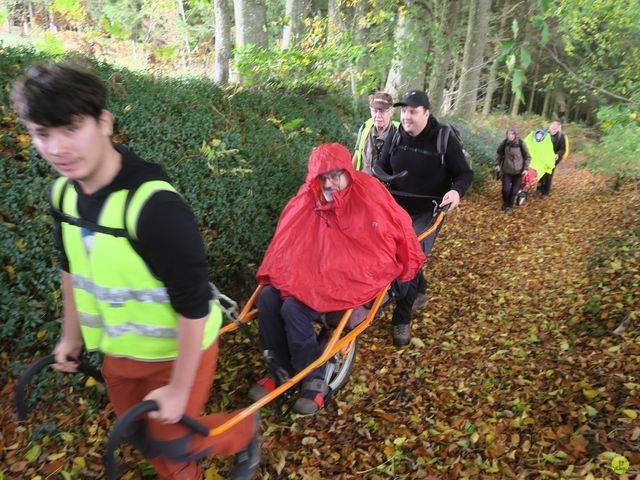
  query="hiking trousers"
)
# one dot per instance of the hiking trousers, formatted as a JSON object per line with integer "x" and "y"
{"x": 287, "y": 331}
{"x": 406, "y": 292}
{"x": 129, "y": 381}
{"x": 545, "y": 182}
{"x": 510, "y": 187}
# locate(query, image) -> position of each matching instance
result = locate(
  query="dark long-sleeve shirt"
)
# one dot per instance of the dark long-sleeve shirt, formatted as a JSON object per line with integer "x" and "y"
{"x": 168, "y": 241}
{"x": 428, "y": 175}
{"x": 559, "y": 145}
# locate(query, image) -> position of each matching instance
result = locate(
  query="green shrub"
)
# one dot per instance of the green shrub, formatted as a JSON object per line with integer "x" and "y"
{"x": 617, "y": 155}
{"x": 235, "y": 155}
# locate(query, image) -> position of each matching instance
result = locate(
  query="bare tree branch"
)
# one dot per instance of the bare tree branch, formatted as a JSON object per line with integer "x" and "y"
{"x": 583, "y": 82}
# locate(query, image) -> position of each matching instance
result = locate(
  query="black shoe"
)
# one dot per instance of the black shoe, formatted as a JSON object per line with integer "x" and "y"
{"x": 247, "y": 461}
{"x": 401, "y": 334}
{"x": 508, "y": 210}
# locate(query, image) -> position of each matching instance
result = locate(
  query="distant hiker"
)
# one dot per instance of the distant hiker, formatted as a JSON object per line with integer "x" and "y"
{"x": 444, "y": 175}
{"x": 512, "y": 161}
{"x": 559, "y": 142}
{"x": 315, "y": 264}
{"x": 134, "y": 275}
{"x": 374, "y": 132}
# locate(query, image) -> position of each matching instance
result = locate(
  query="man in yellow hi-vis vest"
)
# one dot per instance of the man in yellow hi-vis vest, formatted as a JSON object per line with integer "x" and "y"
{"x": 134, "y": 274}
{"x": 374, "y": 132}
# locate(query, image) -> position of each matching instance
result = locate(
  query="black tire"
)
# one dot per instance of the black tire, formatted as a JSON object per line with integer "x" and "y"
{"x": 338, "y": 368}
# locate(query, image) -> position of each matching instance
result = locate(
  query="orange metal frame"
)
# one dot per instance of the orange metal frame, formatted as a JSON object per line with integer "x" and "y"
{"x": 335, "y": 344}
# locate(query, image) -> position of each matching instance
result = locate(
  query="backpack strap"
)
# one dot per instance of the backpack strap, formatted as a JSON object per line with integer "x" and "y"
{"x": 136, "y": 199}
{"x": 443, "y": 141}
{"x": 395, "y": 141}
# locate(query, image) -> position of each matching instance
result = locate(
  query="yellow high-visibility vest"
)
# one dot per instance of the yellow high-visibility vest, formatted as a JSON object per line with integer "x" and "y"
{"x": 123, "y": 309}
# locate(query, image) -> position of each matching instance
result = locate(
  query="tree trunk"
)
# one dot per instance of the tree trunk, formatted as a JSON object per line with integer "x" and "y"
{"x": 515, "y": 106}
{"x": 185, "y": 33}
{"x": 409, "y": 60}
{"x": 506, "y": 92}
{"x": 533, "y": 85}
{"x": 473, "y": 60}
{"x": 295, "y": 11}
{"x": 546, "y": 107}
{"x": 223, "y": 42}
{"x": 492, "y": 82}
{"x": 335, "y": 18}
{"x": 560, "y": 105}
{"x": 251, "y": 26}
{"x": 441, "y": 64}
{"x": 362, "y": 40}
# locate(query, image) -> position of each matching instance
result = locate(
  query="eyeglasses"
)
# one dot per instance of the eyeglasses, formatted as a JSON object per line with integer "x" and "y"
{"x": 333, "y": 176}
{"x": 379, "y": 111}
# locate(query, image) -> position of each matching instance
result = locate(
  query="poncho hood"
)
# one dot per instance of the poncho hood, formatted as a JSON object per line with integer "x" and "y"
{"x": 340, "y": 254}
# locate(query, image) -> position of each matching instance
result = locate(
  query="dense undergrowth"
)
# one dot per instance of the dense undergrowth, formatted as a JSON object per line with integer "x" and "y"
{"x": 236, "y": 155}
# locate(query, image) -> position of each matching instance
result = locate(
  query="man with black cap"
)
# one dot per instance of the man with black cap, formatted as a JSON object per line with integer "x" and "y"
{"x": 442, "y": 173}
{"x": 374, "y": 132}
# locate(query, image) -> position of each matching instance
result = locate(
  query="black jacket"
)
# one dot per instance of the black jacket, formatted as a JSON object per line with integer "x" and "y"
{"x": 559, "y": 145}
{"x": 428, "y": 175}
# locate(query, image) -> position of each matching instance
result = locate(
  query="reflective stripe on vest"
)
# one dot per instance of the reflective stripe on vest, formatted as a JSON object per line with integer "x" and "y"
{"x": 123, "y": 309}
{"x": 364, "y": 134}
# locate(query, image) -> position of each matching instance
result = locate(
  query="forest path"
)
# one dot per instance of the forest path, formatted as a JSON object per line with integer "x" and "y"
{"x": 508, "y": 374}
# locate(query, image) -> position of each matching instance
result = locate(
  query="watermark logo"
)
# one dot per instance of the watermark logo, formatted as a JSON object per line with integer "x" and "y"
{"x": 620, "y": 465}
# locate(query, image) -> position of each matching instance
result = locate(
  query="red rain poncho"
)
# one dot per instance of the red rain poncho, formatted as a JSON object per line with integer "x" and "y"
{"x": 338, "y": 255}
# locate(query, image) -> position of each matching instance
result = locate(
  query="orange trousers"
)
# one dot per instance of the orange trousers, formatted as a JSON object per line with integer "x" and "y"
{"x": 129, "y": 381}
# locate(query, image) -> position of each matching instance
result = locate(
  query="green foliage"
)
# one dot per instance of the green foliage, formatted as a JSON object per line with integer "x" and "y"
{"x": 313, "y": 64}
{"x": 481, "y": 144}
{"x": 618, "y": 152}
{"x": 599, "y": 42}
{"x": 121, "y": 18}
{"x": 517, "y": 58}
{"x": 236, "y": 156}
{"x": 4, "y": 14}
{"x": 51, "y": 45}
{"x": 71, "y": 9}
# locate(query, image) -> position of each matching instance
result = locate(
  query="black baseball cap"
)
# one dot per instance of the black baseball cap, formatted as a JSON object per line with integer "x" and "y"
{"x": 414, "y": 98}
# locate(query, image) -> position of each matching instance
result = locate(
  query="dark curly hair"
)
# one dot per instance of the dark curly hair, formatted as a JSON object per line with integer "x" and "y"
{"x": 51, "y": 94}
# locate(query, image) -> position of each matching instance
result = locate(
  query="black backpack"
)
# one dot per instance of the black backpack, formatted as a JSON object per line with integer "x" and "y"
{"x": 442, "y": 141}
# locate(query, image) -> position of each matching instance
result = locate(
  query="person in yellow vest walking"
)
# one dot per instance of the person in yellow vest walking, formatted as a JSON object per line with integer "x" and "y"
{"x": 374, "y": 132}
{"x": 134, "y": 274}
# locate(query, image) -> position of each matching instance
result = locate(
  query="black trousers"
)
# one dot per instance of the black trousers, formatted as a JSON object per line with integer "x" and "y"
{"x": 406, "y": 292}
{"x": 545, "y": 182}
{"x": 510, "y": 187}
{"x": 287, "y": 331}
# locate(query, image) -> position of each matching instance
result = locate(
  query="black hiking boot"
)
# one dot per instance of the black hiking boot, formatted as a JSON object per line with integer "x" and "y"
{"x": 401, "y": 334}
{"x": 247, "y": 461}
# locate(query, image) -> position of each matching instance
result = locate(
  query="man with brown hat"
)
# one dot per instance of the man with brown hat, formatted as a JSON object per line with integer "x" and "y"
{"x": 370, "y": 140}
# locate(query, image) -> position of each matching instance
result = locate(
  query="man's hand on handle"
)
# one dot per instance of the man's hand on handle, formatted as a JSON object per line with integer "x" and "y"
{"x": 452, "y": 197}
{"x": 67, "y": 346}
{"x": 172, "y": 403}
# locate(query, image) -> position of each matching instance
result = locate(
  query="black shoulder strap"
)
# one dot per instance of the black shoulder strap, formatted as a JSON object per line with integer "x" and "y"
{"x": 522, "y": 147}
{"x": 443, "y": 141}
{"x": 59, "y": 216}
{"x": 393, "y": 141}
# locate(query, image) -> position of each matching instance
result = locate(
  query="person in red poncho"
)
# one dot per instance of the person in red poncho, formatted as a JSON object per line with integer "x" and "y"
{"x": 338, "y": 243}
